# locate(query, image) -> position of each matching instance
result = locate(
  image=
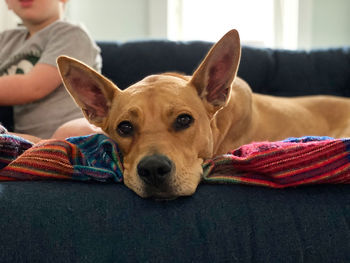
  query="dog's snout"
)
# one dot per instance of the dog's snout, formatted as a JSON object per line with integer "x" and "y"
{"x": 154, "y": 169}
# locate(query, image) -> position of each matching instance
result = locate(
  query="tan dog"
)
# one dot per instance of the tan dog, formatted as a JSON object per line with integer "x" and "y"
{"x": 167, "y": 124}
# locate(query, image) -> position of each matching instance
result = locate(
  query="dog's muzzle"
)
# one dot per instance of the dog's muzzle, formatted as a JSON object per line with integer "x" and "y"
{"x": 155, "y": 171}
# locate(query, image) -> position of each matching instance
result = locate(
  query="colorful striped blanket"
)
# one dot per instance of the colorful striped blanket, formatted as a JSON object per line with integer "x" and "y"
{"x": 293, "y": 162}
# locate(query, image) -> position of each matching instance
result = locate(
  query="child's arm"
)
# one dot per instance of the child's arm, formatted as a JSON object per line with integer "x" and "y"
{"x": 21, "y": 89}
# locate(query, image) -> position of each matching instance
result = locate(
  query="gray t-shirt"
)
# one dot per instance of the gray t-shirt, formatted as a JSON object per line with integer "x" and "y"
{"x": 18, "y": 55}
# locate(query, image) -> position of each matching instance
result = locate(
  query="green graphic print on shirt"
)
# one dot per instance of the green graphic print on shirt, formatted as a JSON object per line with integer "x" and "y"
{"x": 24, "y": 66}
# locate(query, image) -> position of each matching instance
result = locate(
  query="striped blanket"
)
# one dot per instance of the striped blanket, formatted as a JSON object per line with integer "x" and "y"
{"x": 293, "y": 162}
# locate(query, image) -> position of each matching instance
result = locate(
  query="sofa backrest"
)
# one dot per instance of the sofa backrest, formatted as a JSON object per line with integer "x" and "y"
{"x": 128, "y": 63}
{"x": 275, "y": 72}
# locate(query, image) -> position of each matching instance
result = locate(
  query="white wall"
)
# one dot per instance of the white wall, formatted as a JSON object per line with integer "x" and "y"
{"x": 7, "y": 19}
{"x": 324, "y": 23}
{"x": 330, "y": 23}
{"x": 120, "y": 19}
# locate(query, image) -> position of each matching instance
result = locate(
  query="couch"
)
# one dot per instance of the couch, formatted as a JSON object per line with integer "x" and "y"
{"x": 55, "y": 221}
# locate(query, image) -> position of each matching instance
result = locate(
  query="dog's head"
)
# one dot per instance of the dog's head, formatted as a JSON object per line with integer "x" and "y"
{"x": 163, "y": 123}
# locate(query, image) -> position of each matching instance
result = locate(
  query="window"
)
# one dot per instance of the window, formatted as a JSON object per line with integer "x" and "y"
{"x": 209, "y": 20}
{"x": 267, "y": 23}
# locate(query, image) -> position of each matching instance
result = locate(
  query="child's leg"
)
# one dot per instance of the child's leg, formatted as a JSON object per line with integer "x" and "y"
{"x": 77, "y": 127}
{"x": 28, "y": 137}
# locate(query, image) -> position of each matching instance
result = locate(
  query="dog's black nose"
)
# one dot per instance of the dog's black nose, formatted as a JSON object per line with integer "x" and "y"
{"x": 154, "y": 169}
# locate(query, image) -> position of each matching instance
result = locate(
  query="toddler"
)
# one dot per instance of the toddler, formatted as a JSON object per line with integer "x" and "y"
{"x": 29, "y": 78}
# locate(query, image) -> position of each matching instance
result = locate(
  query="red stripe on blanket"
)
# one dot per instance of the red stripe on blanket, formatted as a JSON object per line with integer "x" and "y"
{"x": 309, "y": 160}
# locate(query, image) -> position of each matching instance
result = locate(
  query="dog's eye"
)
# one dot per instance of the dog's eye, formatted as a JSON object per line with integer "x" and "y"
{"x": 183, "y": 121}
{"x": 125, "y": 129}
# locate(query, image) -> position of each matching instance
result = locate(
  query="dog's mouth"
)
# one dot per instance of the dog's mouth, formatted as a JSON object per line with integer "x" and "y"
{"x": 158, "y": 177}
{"x": 164, "y": 192}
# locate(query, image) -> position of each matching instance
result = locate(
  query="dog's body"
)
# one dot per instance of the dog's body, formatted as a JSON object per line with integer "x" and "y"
{"x": 263, "y": 117}
{"x": 167, "y": 124}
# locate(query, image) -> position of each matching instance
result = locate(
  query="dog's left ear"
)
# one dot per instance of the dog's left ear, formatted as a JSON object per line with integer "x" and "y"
{"x": 92, "y": 92}
{"x": 214, "y": 76}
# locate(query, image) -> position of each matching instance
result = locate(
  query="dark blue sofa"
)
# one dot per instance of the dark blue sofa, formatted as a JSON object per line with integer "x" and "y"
{"x": 92, "y": 222}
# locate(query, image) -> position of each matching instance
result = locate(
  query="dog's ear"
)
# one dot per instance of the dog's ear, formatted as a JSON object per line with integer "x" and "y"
{"x": 92, "y": 92}
{"x": 214, "y": 76}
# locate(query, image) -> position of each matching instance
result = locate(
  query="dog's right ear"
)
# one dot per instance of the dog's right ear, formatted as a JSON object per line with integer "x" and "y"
{"x": 214, "y": 76}
{"x": 92, "y": 92}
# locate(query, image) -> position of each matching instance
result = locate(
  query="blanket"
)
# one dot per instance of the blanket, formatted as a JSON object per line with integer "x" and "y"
{"x": 292, "y": 162}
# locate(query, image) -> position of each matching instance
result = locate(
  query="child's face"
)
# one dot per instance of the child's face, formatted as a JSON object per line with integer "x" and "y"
{"x": 36, "y": 11}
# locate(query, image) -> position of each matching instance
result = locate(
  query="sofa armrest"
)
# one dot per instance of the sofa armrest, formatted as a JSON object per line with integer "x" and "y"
{"x": 91, "y": 222}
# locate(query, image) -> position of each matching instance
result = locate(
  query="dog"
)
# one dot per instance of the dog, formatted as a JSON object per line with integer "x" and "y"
{"x": 167, "y": 124}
